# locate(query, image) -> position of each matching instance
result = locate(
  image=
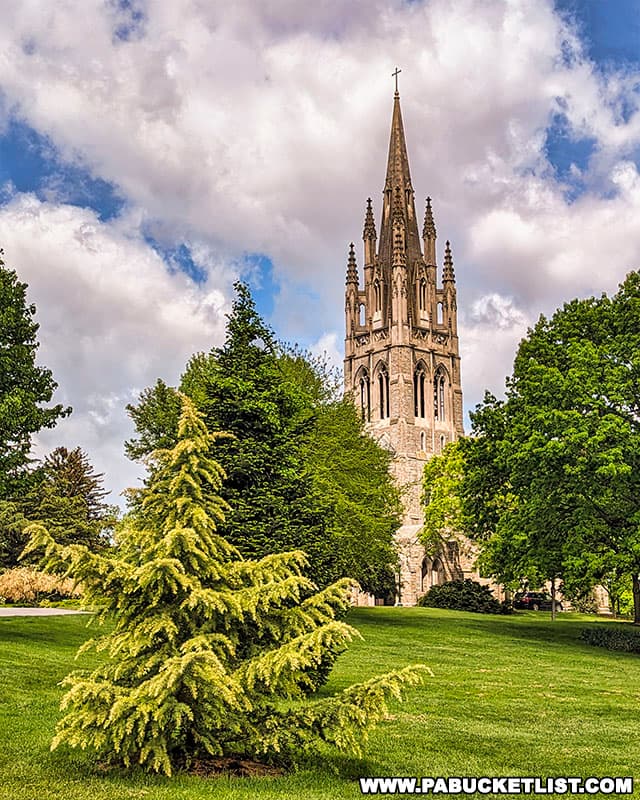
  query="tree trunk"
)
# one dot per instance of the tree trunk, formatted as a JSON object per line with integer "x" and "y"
{"x": 553, "y": 599}
{"x": 636, "y": 599}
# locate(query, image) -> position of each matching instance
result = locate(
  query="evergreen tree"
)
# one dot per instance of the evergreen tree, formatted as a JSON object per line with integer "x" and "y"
{"x": 24, "y": 387}
{"x": 156, "y": 419}
{"x": 69, "y": 473}
{"x": 69, "y": 500}
{"x": 301, "y": 471}
{"x": 67, "y": 496}
{"x": 205, "y": 646}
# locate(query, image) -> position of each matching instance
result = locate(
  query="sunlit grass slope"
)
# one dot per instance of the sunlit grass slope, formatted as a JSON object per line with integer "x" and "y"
{"x": 508, "y": 696}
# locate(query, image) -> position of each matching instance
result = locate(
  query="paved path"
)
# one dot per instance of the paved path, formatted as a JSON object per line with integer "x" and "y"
{"x": 38, "y": 612}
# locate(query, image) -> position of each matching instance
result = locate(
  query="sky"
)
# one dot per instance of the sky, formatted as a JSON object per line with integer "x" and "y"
{"x": 152, "y": 152}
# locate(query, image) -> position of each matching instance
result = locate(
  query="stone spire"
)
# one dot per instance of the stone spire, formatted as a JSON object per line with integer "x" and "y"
{"x": 398, "y": 188}
{"x": 447, "y": 272}
{"x": 369, "y": 224}
{"x": 369, "y": 236}
{"x": 352, "y": 267}
{"x": 397, "y": 162}
{"x": 429, "y": 227}
{"x": 429, "y": 236}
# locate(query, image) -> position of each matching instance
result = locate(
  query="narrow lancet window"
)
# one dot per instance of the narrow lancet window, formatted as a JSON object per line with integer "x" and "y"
{"x": 362, "y": 315}
{"x": 419, "y": 393}
{"x": 377, "y": 296}
{"x": 439, "y": 397}
{"x": 365, "y": 397}
{"x": 422, "y": 295}
{"x": 383, "y": 392}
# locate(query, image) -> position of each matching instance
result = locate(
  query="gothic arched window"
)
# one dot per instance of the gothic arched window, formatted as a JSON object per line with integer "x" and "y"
{"x": 422, "y": 295}
{"x": 361, "y": 315}
{"x": 440, "y": 314}
{"x": 377, "y": 296}
{"x": 423, "y": 441}
{"x": 425, "y": 575}
{"x": 419, "y": 404}
{"x": 383, "y": 392}
{"x": 439, "y": 396}
{"x": 365, "y": 396}
{"x": 443, "y": 442}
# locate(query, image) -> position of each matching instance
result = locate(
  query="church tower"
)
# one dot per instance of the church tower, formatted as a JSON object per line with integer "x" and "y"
{"x": 402, "y": 362}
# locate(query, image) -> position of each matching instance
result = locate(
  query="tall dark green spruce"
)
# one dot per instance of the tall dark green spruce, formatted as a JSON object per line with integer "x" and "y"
{"x": 301, "y": 472}
{"x": 205, "y": 645}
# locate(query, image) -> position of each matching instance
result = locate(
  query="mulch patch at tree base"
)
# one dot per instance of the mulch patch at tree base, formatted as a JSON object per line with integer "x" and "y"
{"x": 234, "y": 767}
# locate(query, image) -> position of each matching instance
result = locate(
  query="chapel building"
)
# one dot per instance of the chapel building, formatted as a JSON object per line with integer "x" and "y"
{"x": 402, "y": 360}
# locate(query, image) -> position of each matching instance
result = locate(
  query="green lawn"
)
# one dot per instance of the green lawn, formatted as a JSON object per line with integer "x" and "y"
{"x": 509, "y": 696}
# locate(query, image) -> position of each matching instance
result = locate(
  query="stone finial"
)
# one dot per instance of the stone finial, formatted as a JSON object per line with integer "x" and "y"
{"x": 429, "y": 227}
{"x": 352, "y": 267}
{"x": 369, "y": 223}
{"x": 447, "y": 272}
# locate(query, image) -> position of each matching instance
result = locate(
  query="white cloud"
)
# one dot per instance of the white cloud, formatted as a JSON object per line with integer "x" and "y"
{"x": 111, "y": 319}
{"x": 495, "y": 311}
{"x": 328, "y": 348}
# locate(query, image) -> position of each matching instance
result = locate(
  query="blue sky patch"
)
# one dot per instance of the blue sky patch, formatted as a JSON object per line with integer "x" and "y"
{"x": 609, "y": 29}
{"x": 258, "y": 273}
{"x": 30, "y": 162}
{"x": 563, "y": 150}
{"x": 178, "y": 259}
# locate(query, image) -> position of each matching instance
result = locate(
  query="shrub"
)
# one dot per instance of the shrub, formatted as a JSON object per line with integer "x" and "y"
{"x": 466, "y": 595}
{"x": 613, "y": 637}
{"x": 585, "y": 604}
{"x": 27, "y": 585}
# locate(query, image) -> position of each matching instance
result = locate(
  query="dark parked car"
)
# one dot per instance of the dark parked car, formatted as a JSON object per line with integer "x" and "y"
{"x": 535, "y": 601}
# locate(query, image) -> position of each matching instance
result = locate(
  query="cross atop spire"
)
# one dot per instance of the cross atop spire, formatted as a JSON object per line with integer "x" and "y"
{"x": 395, "y": 75}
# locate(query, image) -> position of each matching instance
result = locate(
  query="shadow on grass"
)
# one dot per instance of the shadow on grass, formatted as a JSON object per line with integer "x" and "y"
{"x": 325, "y": 763}
{"x": 23, "y": 630}
{"x": 529, "y": 625}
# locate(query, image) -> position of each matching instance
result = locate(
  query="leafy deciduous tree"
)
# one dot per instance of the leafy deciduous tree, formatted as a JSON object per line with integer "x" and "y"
{"x": 567, "y": 447}
{"x": 24, "y": 386}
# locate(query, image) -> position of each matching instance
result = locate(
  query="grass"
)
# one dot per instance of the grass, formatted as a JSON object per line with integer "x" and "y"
{"x": 509, "y": 696}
